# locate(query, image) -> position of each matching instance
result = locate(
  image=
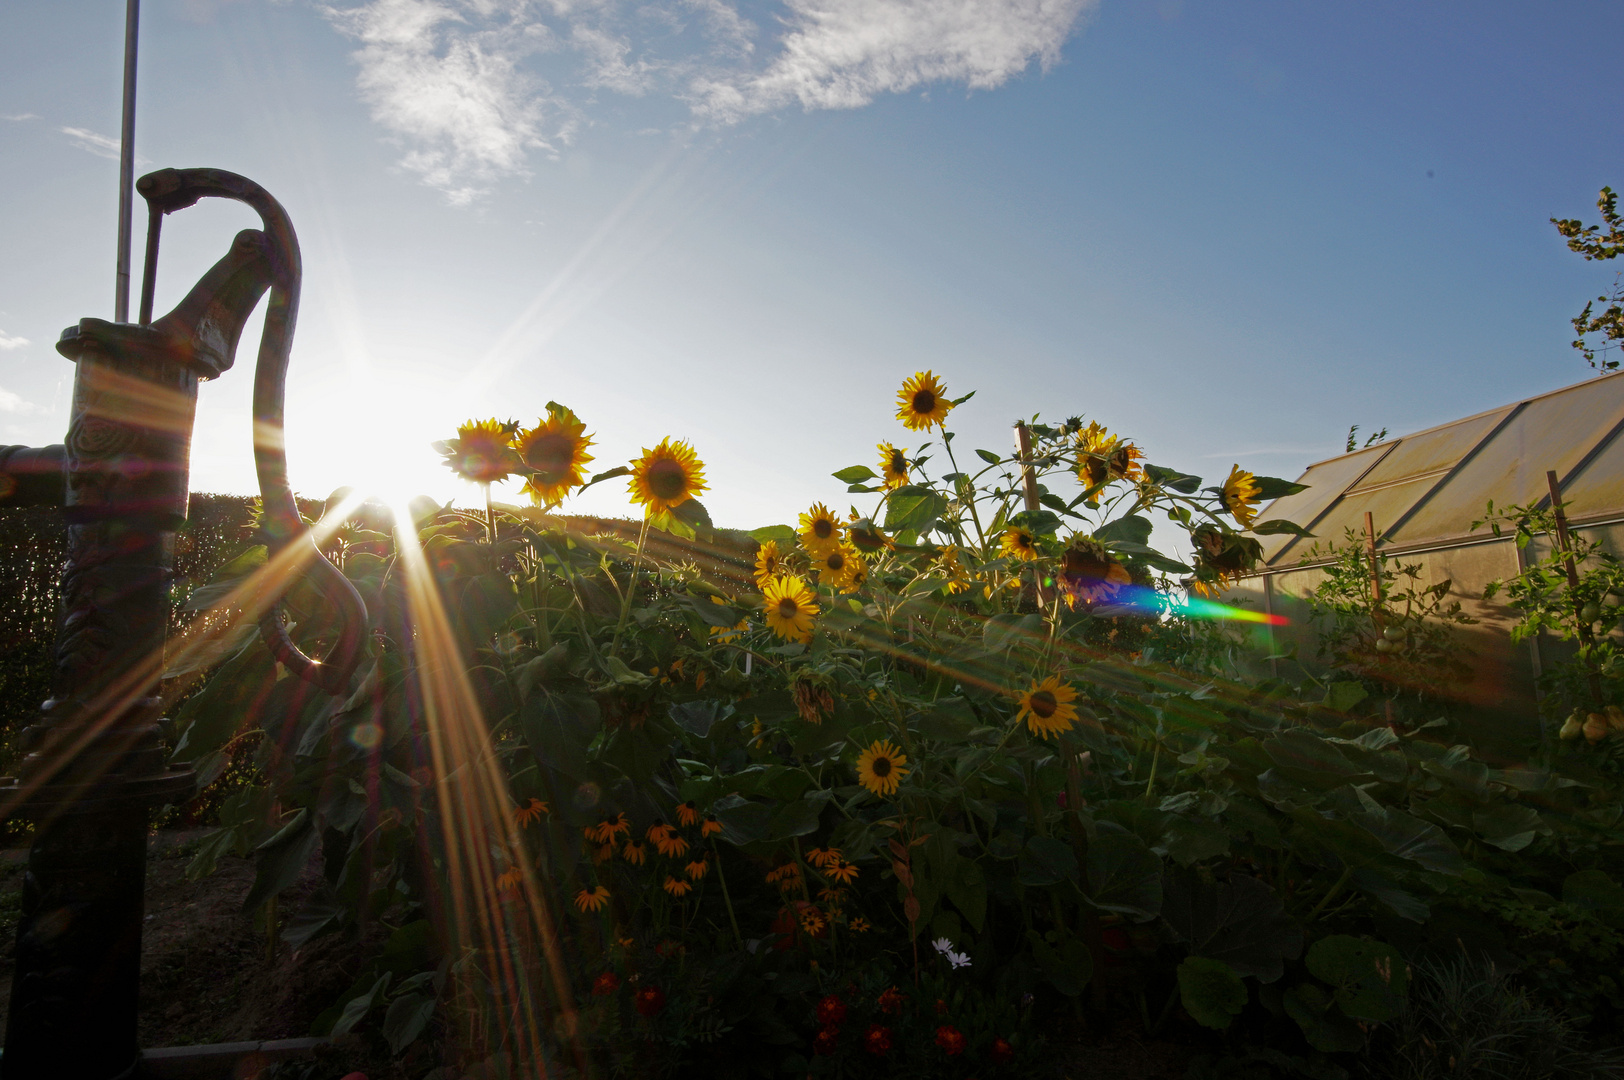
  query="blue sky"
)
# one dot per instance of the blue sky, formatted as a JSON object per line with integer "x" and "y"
{"x": 1228, "y": 231}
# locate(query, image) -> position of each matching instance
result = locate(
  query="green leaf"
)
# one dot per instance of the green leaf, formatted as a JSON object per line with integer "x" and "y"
{"x": 1279, "y": 525}
{"x": 1039, "y": 522}
{"x": 1326, "y": 1031}
{"x": 743, "y": 821}
{"x": 955, "y": 402}
{"x": 692, "y": 513}
{"x": 1370, "y": 978}
{"x": 1241, "y": 922}
{"x": 697, "y": 717}
{"x": 1211, "y": 992}
{"x": 1183, "y": 483}
{"x": 856, "y": 474}
{"x": 989, "y": 457}
{"x": 913, "y": 507}
{"x": 782, "y": 534}
{"x": 1004, "y": 630}
{"x": 1068, "y": 965}
{"x": 618, "y": 470}
{"x": 1123, "y": 874}
{"x": 1272, "y": 487}
{"x": 1133, "y": 528}
{"x": 356, "y": 1009}
{"x": 1508, "y": 826}
{"x": 1046, "y": 861}
{"x": 1593, "y": 890}
{"x": 408, "y": 1015}
{"x": 282, "y": 859}
{"x": 968, "y": 891}
{"x": 1342, "y": 696}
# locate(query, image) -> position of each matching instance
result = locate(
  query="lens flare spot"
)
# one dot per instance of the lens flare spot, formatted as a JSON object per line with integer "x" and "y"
{"x": 366, "y": 735}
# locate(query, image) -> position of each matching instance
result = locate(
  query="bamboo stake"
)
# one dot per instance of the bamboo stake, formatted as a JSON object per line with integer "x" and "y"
{"x": 1562, "y": 538}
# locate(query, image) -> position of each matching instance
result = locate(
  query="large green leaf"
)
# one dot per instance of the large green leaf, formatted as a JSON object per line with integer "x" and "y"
{"x": 1211, "y": 991}
{"x": 280, "y": 860}
{"x": 1241, "y": 922}
{"x": 856, "y": 474}
{"x": 1046, "y": 861}
{"x": 1279, "y": 526}
{"x": 1271, "y": 488}
{"x": 1133, "y": 529}
{"x": 1508, "y": 826}
{"x": 1172, "y": 478}
{"x": 913, "y": 507}
{"x": 408, "y": 1015}
{"x": 1123, "y": 874}
{"x": 782, "y": 534}
{"x": 1326, "y": 1029}
{"x": 1370, "y": 979}
{"x": 1067, "y": 965}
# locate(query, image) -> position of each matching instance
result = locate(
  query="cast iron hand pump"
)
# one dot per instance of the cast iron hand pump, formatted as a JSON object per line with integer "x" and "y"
{"x": 93, "y": 761}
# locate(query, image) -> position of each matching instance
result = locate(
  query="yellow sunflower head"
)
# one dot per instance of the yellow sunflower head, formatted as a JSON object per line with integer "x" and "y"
{"x": 789, "y": 607}
{"x": 1102, "y": 456}
{"x": 481, "y": 451}
{"x": 1241, "y": 495}
{"x": 837, "y": 566}
{"x": 880, "y": 767}
{"x": 1047, "y": 707}
{"x": 866, "y": 536}
{"x": 948, "y": 565}
{"x": 666, "y": 477}
{"x": 555, "y": 453}
{"x": 893, "y": 465}
{"x": 768, "y": 563}
{"x": 1019, "y": 543}
{"x": 922, "y": 402}
{"x": 820, "y": 528}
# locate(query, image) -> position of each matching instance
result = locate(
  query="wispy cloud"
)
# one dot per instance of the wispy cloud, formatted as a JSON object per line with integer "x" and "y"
{"x": 16, "y": 403}
{"x": 11, "y": 341}
{"x": 17, "y": 117}
{"x": 90, "y": 141}
{"x": 472, "y": 88}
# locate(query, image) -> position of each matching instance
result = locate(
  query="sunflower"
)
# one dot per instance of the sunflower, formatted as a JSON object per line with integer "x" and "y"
{"x": 948, "y": 565}
{"x": 530, "y": 813}
{"x": 880, "y": 767}
{"x": 1047, "y": 707}
{"x": 634, "y": 852}
{"x": 676, "y": 886}
{"x": 819, "y": 529}
{"x": 836, "y": 566}
{"x": 666, "y": 477}
{"x": 480, "y": 452}
{"x": 768, "y": 563}
{"x": 893, "y": 465}
{"x": 1088, "y": 573}
{"x": 789, "y": 606}
{"x": 688, "y": 813}
{"x": 1019, "y": 543}
{"x": 1241, "y": 495}
{"x": 866, "y": 536}
{"x": 555, "y": 453}
{"x": 921, "y": 402}
{"x": 1102, "y": 456}
{"x": 592, "y": 900}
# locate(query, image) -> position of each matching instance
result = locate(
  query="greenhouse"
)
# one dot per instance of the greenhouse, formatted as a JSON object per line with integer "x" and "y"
{"x": 1424, "y": 493}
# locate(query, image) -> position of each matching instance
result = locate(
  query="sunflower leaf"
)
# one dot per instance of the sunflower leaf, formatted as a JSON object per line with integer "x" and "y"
{"x": 1172, "y": 478}
{"x": 1270, "y": 488}
{"x": 855, "y": 474}
{"x": 782, "y": 533}
{"x": 988, "y": 456}
{"x": 692, "y": 513}
{"x": 618, "y": 470}
{"x": 862, "y": 489}
{"x": 1279, "y": 525}
{"x": 961, "y": 400}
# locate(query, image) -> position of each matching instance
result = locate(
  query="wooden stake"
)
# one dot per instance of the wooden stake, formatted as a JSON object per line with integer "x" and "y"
{"x": 1375, "y": 561}
{"x": 1566, "y": 543}
{"x": 1029, "y": 477}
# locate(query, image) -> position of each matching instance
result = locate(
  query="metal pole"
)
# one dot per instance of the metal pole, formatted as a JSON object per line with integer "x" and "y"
{"x": 126, "y": 163}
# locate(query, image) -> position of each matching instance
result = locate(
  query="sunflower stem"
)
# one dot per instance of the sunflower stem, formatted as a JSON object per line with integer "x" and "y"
{"x": 490, "y": 515}
{"x": 975, "y": 518}
{"x": 727, "y": 897}
{"x": 631, "y": 589}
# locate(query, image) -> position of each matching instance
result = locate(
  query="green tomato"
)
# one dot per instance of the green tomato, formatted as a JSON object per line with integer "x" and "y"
{"x": 1590, "y": 612}
{"x": 1394, "y": 633}
{"x": 1383, "y": 645}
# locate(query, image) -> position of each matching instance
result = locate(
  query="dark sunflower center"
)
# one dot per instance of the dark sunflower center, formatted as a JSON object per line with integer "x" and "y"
{"x": 667, "y": 479}
{"x": 1023, "y": 540}
{"x": 898, "y": 462}
{"x": 788, "y": 608}
{"x": 924, "y": 401}
{"x": 836, "y": 561}
{"x": 881, "y": 767}
{"x": 823, "y": 528}
{"x": 1043, "y": 704}
{"x": 550, "y": 455}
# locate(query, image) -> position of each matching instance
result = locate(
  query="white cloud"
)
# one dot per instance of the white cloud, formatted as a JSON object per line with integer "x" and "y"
{"x": 90, "y": 141}
{"x": 15, "y": 403}
{"x": 11, "y": 341}
{"x": 460, "y": 83}
{"x": 19, "y": 116}
{"x": 841, "y": 54}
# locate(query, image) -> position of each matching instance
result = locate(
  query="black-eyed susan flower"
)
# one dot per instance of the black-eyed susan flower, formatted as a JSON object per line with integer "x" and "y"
{"x": 893, "y": 465}
{"x": 813, "y": 922}
{"x": 710, "y": 826}
{"x": 1019, "y": 543}
{"x": 821, "y": 857}
{"x": 1241, "y": 495}
{"x": 606, "y": 830}
{"x": 676, "y": 886}
{"x": 554, "y": 453}
{"x": 666, "y": 840}
{"x": 860, "y": 925}
{"x": 510, "y": 880}
{"x": 481, "y": 451}
{"x": 837, "y": 565}
{"x": 666, "y": 477}
{"x": 880, "y": 767}
{"x": 768, "y": 563}
{"x": 789, "y": 607}
{"x": 530, "y": 813}
{"x": 688, "y": 813}
{"x": 604, "y": 853}
{"x": 1047, "y": 707}
{"x": 697, "y": 869}
{"x": 842, "y": 871}
{"x": 922, "y": 402}
{"x": 592, "y": 899}
{"x": 786, "y": 877}
{"x": 634, "y": 852}
{"x": 820, "y": 529}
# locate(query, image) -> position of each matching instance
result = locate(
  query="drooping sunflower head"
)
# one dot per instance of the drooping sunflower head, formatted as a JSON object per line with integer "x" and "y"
{"x": 1220, "y": 557}
{"x": 1047, "y": 707}
{"x": 1019, "y": 543}
{"x": 666, "y": 477}
{"x": 1241, "y": 495}
{"x": 555, "y": 453}
{"x": 893, "y": 465}
{"x": 880, "y": 768}
{"x": 481, "y": 451}
{"x": 1088, "y": 572}
{"x": 866, "y": 536}
{"x": 789, "y": 607}
{"x": 769, "y": 564}
{"x": 820, "y": 529}
{"x": 922, "y": 402}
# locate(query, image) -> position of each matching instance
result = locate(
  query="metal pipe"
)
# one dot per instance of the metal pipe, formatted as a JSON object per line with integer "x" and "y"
{"x": 126, "y": 163}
